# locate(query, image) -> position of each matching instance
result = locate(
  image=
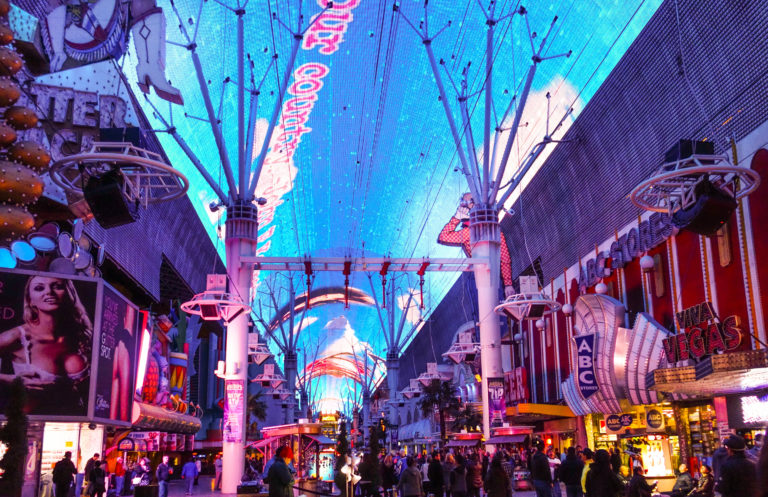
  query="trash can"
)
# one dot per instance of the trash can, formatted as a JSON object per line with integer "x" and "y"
{"x": 146, "y": 491}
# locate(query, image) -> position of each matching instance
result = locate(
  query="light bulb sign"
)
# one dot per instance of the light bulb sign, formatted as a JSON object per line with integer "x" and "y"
{"x": 496, "y": 400}
{"x": 704, "y": 334}
{"x": 234, "y": 410}
{"x": 585, "y": 360}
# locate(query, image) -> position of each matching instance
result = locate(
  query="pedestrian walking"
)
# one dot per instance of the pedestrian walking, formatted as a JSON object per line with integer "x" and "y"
{"x": 570, "y": 473}
{"x": 64, "y": 472}
{"x": 96, "y": 476}
{"x": 737, "y": 474}
{"x": 588, "y": 455}
{"x": 435, "y": 472}
{"x": 601, "y": 480}
{"x": 459, "y": 478}
{"x": 189, "y": 474}
{"x": 87, "y": 473}
{"x": 410, "y": 484}
{"x": 554, "y": 468}
{"x": 119, "y": 476}
{"x": 280, "y": 476}
{"x": 218, "y": 464}
{"x": 163, "y": 474}
{"x": 199, "y": 466}
{"x": 475, "y": 476}
{"x": 449, "y": 464}
{"x": 497, "y": 481}
{"x": 540, "y": 473}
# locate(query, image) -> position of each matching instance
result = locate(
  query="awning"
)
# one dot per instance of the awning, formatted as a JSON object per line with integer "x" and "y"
{"x": 507, "y": 439}
{"x": 261, "y": 443}
{"x": 537, "y": 412}
{"x": 322, "y": 439}
{"x": 151, "y": 417}
{"x": 463, "y": 443}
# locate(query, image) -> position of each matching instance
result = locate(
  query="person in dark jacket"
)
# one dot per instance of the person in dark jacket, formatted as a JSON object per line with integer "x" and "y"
{"x": 762, "y": 472}
{"x": 96, "y": 487}
{"x": 540, "y": 473}
{"x": 684, "y": 483}
{"x": 370, "y": 472}
{"x": 497, "y": 481}
{"x": 718, "y": 458}
{"x": 280, "y": 476}
{"x": 570, "y": 473}
{"x": 737, "y": 474}
{"x": 459, "y": 477}
{"x": 63, "y": 473}
{"x": 638, "y": 487}
{"x": 163, "y": 475}
{"x": 388, "y": 476}
{"x": 705, "y": 487}
{"x": 601, "y": 480}
{"x": 435, "y": 474}
{"x": 474, "y": 476}
{"x": 87, "y": 473}
{"x": 615, "y": 459}
{"x": 410, "y": 481}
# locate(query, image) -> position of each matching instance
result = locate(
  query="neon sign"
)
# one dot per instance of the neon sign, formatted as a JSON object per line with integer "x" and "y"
{"x": 704, "y": 334}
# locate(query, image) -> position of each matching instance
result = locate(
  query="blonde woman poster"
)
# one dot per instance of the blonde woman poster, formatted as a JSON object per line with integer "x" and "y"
{"x": 47, "y": 340}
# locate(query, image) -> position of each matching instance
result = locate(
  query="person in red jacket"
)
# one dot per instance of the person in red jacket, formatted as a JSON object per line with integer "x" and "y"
{"x": 456, "y": 234}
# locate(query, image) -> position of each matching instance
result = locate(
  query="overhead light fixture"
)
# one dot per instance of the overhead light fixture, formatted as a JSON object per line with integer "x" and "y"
{"x": 216, "y": 303}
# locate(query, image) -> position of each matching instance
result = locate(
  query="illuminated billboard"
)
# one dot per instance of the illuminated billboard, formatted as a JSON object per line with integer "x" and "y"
{"x": 72, "y": 341}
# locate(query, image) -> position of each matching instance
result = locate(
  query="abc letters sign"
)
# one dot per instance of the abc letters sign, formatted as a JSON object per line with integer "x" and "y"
{"x": 585, "y": 346}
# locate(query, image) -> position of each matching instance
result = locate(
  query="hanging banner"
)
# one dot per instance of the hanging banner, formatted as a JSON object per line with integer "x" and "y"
{"x": 585, "y": 346}
{"x": 496, "y": 402}
{"x": 234, "y": 410}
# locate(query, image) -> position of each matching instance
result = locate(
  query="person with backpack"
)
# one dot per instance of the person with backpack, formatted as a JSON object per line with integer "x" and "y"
{"x": 475, "y": 476}
{"x": 64, "y": 472}
{"x": 96, "y": 476}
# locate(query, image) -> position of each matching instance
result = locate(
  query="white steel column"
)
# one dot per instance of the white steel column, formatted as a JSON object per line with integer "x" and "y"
{"x": 393, "y": 377}
{"x": 241, "y": 234}
{"x": 486, "y": 245}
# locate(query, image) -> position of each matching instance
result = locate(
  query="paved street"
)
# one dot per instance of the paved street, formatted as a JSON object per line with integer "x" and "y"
{"x": 205, "y": 489}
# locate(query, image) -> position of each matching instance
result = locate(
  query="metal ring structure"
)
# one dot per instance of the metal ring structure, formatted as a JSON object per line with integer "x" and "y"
{"x": 148, "y": 178}
{"x": 520, "y": 305}
{"x": 673, "y": 186}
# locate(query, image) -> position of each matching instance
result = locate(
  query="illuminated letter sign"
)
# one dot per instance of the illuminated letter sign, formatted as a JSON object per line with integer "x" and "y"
{"x": 704, "y": 334}
{"x": 585, "y": 346}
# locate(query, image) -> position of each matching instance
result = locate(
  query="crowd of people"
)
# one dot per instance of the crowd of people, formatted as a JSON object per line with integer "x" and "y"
{"x": 124, "y": 479}
{"x": 735, "y": 471}
{"x": 579, "y": 472}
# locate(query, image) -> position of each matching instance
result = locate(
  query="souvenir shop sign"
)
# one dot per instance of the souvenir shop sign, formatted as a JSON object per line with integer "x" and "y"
{"x": 703, "y": 334}
{"x": 585, "y": 361}
{"x": 654, "y": 419}
{"x": 615, "y": 422}
{"x": 234, "y": 410}
{"x": 648, "y": 234}
{"x": 496, "y": 400}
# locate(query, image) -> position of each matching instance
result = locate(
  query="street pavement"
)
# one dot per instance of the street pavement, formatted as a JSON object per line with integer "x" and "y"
{"x": 205, "y": 489}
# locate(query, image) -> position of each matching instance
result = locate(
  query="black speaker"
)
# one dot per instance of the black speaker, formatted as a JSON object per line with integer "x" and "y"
{"x": 132, "y": 135}
{"x": 110, "y": 207}
{"x": 686, "y": 148}
{"x": 711, "y": 211}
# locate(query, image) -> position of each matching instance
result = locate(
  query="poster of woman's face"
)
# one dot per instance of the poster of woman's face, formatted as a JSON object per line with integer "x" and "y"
{"x": 46, "y": 339}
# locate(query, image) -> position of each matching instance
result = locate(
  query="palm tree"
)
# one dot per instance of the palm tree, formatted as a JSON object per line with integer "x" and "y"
{"x": 257, "y": 409}
{"x": 440, "y": 395}
{"x": 467, "y": 418}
